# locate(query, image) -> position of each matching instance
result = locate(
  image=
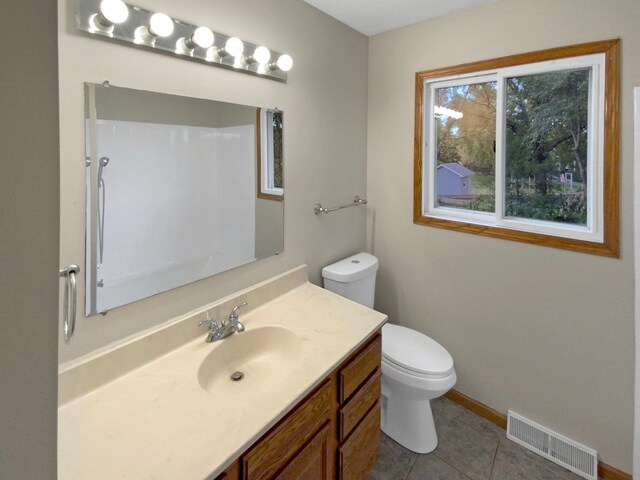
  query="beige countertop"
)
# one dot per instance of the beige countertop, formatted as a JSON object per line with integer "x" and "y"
{"x": 158, "y": 422}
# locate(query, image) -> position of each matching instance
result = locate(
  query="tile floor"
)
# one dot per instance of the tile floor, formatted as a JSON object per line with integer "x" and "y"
{"x": 469, "y": 448}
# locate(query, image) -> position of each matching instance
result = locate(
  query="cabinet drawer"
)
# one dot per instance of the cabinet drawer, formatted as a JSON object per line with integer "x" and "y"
{"x": 359, "y": 453}
{"x": 312, "y": 462}
{"x": 278, "y": 447}
{"x": 356, "y": 407}
{"x": 231, "y": 473}
{"x": 356, "y": 372}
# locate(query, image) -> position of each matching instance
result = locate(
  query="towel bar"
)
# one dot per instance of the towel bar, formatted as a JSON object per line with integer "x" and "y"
{"x": 69, "y": 274}
{"x": 357, "y": 201}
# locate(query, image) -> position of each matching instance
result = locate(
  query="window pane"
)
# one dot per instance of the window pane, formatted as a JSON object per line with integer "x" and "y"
{"x": 465, "y": 119}
{"x": 277, "y": 149}
{"x": 547, "y": 122}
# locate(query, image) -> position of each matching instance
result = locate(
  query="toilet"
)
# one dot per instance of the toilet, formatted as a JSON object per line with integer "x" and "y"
{"x": 415, "y": 368}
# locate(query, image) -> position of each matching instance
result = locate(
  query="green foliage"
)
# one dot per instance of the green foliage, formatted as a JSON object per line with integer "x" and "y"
{"x": 468, "y": 140}
{"x": 483, "y": 203}
{"x": 483, "y": 184}
{"x": 570, "y": 208}
{"x": 277, "y": 148}
{"x": 546, "y": 136}
{"x": 547, "y": 119}
{"x": 448, "y": 151}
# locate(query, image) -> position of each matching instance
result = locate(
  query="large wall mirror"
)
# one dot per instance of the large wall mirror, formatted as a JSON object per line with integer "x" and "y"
{"x": 176, "y": 191}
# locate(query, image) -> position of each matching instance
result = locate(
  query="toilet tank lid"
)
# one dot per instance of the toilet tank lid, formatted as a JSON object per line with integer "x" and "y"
{"x": 415, "y": 351}
{"x": 352, "y": 268}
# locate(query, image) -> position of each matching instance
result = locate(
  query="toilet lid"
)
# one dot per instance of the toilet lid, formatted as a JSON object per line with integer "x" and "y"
{"x": 415, "y": 351}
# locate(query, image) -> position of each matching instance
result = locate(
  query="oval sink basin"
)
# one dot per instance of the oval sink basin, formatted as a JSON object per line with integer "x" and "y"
{"x": 264, "y": 355}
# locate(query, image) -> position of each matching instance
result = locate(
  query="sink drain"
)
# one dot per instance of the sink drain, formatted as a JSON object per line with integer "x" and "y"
{"x": 237, "y": 376}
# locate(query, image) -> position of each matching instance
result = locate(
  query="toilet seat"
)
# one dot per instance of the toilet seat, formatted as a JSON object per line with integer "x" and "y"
{"x": 415, "y": 353}
{"x": 413, "y": 373}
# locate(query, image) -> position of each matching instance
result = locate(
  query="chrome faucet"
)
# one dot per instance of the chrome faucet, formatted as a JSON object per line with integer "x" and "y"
{"x": 233, "y": 321}
{"x": 218, "y": 332}
{"x": 214, "y": 329}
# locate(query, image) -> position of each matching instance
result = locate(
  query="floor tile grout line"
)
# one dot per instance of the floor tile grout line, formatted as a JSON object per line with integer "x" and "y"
{"x": 501, "y": 442}
{"x": 493, "y": 463}
{"x": 458, "y": 416}
{"x": 455, "y": 468}
{"x": 406, "y": 475}
{"x": 542, "y": 462}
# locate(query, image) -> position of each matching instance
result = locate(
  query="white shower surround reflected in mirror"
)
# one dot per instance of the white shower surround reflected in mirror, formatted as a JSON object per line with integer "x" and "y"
{"x": 171, "y": 193}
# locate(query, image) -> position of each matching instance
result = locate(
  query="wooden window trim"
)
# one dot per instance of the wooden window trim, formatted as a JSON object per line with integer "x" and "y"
{"x": 260, "y": 194}
{"x": 611, "y": 229}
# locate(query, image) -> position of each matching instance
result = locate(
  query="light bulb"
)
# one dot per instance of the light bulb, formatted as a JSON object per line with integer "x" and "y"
{"x": 202, "y": 37}
{"x": 160, "y": 25}
{"x": 238, "y": 62}
{"x": 284, "y": 62}
{"x": 234, "y": 46}
{"x": 212, "y": 54}
{"x": 184, "y": 46}
{"x": 262, "y": 55}
{"x": 113, "y": 11}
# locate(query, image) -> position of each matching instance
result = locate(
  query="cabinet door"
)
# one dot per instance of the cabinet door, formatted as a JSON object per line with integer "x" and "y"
{"x": 231, "y": 473}
{"x": 312, "y": 462}
{"x": 274, "y": 451}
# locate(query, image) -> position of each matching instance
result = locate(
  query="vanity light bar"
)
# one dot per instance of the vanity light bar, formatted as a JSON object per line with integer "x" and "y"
{"x": 159, "y": 32}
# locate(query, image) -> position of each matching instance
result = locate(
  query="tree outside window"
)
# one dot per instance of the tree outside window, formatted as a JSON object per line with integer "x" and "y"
{"x": 522, "y": 148}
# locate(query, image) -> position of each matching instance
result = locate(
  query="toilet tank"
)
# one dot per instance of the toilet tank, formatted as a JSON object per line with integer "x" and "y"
{"x": 354, "y": 278}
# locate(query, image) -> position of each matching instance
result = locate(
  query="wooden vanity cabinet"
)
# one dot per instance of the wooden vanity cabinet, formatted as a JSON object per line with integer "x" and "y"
{"x": 231, "y": 473}
{"x": 334, "y": 433}
{"x": 293, "y": 437}
{"x": 358, "y": 417}
{"x": 313, "y": 462}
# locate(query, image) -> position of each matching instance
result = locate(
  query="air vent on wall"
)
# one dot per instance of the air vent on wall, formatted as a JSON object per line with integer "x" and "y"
{"x": 571, "y": 455}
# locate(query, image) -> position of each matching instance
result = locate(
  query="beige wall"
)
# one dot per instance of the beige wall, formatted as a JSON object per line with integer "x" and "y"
{"x": 545, "y": 332}
{"x": 269, "y": 226}
{"x": 126, "y": 104}
{"x": 327, "y": 90}
{"x": 29, "y": 239}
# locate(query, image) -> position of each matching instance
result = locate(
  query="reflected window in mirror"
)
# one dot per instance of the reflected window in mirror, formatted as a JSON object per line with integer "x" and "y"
{"x": 270, "y": 161}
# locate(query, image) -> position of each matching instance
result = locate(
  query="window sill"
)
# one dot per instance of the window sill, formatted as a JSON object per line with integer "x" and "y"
{"x": 271, "y": 196}
{"x": 608, "y": 248}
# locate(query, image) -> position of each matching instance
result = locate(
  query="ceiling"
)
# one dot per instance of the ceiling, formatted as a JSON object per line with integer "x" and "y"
{"x": 371, "y": 17}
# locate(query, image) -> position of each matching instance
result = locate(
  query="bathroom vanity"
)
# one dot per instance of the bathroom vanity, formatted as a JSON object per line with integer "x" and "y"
{"x": 334, "y": 430}
{"x": 164, "y": 406}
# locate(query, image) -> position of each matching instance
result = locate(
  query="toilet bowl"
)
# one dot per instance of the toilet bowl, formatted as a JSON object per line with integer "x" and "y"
{"x": 415, "y": 368}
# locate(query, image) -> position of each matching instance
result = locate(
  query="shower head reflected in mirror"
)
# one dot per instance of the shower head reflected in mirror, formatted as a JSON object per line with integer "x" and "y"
{"x": 103, "y": 162}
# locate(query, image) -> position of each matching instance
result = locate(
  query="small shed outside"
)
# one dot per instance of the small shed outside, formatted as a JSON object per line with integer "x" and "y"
{"x": 454, "y": 179}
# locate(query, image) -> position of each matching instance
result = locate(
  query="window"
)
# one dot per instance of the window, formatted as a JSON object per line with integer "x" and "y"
{"x": 270, "y": 184}
{"x": 523, "y": 148}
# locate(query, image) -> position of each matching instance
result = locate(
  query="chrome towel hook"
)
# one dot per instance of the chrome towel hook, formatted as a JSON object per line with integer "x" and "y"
{"x": 69, "y": 274}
